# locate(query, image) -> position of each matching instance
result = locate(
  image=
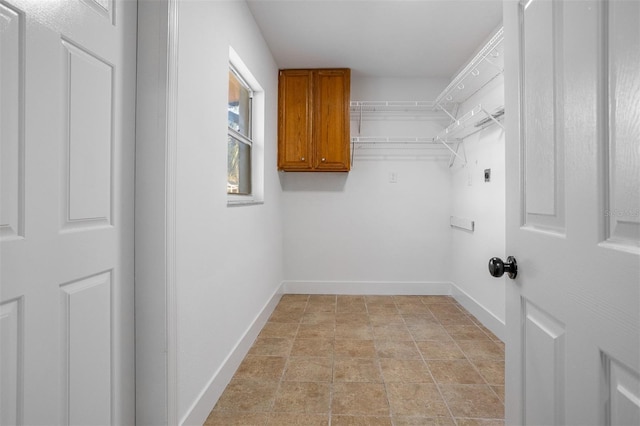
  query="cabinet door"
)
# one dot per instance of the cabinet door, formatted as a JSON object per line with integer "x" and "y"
{"x": 331, "y": 120}
{"x": 295, "y": 120}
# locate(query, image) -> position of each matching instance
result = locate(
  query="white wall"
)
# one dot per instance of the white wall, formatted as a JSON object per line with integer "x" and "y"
{"x": 229, "y": 259}
{"x": 322, "y": 229}
{"x": 483, "y": 202}
{"x": 357, "y": 229}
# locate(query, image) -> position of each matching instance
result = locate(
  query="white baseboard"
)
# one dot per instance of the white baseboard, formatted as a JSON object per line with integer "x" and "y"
{"x": 201, "y": 408}
{"x": 367, "y": 287}
{"x": 489, "y": 320}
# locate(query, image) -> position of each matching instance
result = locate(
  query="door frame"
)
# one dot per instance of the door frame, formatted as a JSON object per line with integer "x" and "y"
{"x": 155, "y": 213}
{"x": 510, "y": 15}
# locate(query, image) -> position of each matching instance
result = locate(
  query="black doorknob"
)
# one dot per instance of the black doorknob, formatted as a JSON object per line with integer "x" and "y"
{"x": 497, "y": 267}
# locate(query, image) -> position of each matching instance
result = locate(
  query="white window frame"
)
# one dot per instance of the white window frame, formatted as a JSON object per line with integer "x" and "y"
{"x": 256, "y": 134}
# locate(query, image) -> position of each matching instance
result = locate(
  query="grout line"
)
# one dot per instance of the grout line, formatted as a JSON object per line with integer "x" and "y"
{"x": 333, "y": 360}
{"x": 446, "y": 404}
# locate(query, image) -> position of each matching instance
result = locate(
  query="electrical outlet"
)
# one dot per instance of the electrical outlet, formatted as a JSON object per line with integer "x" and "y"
{"x": 393, "y": 177}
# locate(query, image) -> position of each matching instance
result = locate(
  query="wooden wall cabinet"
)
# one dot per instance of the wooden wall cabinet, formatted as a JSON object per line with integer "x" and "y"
{"x": 313, "y": 120}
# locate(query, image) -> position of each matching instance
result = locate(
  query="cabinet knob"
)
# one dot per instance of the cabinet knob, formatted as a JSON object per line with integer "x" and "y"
{"x": 323, "y": 160}
{"x": 301, "y": 158}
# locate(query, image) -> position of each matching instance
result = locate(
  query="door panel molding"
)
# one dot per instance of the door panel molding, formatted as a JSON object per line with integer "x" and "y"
{"x": 88, "y": 143}
{"x": 542, "y": 142}
{"x": 544, "y": 366}
{"x": 11, "y": 362}
{"x": 103, "y": 8}
{"x": 87, "y": 346}
{"x": 12, "y": 76}
{"x": 621, "y": 42}
{"x": 621, "y": 390}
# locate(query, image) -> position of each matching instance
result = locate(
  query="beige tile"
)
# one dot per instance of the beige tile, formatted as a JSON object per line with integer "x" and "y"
{"x": 382, "y": 310}
{"x": 444, "y": 309}
{"x": 325, "y": 299}
{"x": 277, "y": 329}
{"x": 391, "y": 332}
{"x": 455, "y": 319}
{"x": 420, "y": 319}
{"x": 351, "y": 304}
{"x": 399, "y": 299}
{"x": 428, "y": 332}
{"x": 423, "y": 421}
{"x": 247, "y": 396}
{"x": 385, "y": 318}
{"x": 359, "y": 399}
{"x": 308, "y": 369}
{"x": 491, "y": 371}
{"x": 287, "y": 315}
{"x": 499, "y": 390}
{"x": 320, "y": 307}
{"x": 351, "y": 308}
{"x": 405, "y": 371}
{"x": 321, "y": 304}
{"x": 360, "y": 421}
{"x": 312, "y": 347}
{"x": 488, "y": 332}
{"x": 481, "y": 349}
{"x": 355, "y": 348}
{"x": 294, "y": 298}
{"x": 480, "y": 422}
{"x": 434, "y": 349}
{"x": 299, "y": 397}
{"x": 313, "y": 331}
{"x": 472, "y": 401}
{"x": 291, "y": 305}
{"x": 415, "y": 399}
{"x": 352, "y": 318}
{"x": 465, "y": 332}
{"x": 357, "y": 360}
{"x": 345, "y": 299}
{"x": 408, "y": 301}
{"x": 434, "y": 300}
{"x": 458, "y": 371}
{"x": 379, "y": 300}
{"x": 255, "y": 367}
{"x": 418, "y": 308}
{"x": 294, "y": 419}
{"x": 356, "y": 370}
{"x": 357, "y": 331}
{"x": 397, "y": 349}
{"x": 271, "y": 346}
{"x": 319, "y": 318}
{"x": 224, "y": 418}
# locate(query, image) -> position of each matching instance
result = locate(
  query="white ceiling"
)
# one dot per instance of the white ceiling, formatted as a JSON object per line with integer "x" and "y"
{"x": 377, "y": 38}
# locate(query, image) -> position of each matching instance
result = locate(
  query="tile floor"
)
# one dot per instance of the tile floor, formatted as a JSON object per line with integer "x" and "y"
{"x": 368, "y": 360}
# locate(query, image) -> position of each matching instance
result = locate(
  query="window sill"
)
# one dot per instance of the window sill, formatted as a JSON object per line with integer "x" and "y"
{"x": 236, "y": 202}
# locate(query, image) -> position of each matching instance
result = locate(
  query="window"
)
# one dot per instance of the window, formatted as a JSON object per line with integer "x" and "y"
{"x": 245, "y": 135}
{"x": 240, "y": 138}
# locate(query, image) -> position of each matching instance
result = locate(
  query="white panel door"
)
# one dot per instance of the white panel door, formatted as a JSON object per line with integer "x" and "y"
{"x": 67, "y": 111}
{"x": 572, "y": 85}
